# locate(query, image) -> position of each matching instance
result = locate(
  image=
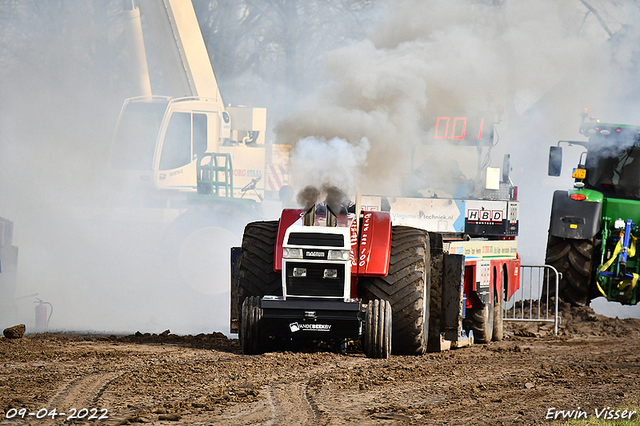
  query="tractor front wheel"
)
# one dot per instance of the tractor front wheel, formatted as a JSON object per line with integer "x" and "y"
{"x": 251, "y": 340}
{"x": 377, "y": 329}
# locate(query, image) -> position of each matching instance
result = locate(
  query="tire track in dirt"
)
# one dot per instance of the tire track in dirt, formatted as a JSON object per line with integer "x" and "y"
{"x": 284, "y": 404}
{"x": 77, "y": 397}
{"x": 82, "y": 392}
{"x": 292, "y": 405}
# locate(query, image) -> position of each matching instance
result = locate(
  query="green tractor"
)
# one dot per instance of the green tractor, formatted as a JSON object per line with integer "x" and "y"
{"x": 594, "y": 226}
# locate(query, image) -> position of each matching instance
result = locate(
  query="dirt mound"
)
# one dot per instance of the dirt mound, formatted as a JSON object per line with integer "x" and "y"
{"x": 582, "y": 320}
{"x": 576, "y": 321}
{"x": 216, "y": 340}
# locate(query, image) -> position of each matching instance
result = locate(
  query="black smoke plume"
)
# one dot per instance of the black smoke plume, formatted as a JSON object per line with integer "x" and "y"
{"x": 308, "y": 196}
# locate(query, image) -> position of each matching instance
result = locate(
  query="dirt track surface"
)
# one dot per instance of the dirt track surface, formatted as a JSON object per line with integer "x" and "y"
{"x": 202, "y": 380}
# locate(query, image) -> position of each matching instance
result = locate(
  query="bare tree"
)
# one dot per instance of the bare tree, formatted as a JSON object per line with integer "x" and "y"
{"x": 278, "y": 40}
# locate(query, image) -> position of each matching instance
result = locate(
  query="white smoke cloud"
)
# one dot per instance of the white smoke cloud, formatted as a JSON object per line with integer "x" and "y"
{"x": 319, "y": 163}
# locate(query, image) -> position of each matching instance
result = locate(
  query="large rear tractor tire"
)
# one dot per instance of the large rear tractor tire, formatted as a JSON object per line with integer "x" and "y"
{"x": 255, "y": 272}
{"x": 574, "y": 260}
{"x": 377, "y": 329}
{"x": 406, "y": 287}
{"x": 251, "y": 339}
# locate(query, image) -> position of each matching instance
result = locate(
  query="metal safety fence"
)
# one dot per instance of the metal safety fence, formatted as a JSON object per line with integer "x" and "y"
{"x": 532, "y": 302}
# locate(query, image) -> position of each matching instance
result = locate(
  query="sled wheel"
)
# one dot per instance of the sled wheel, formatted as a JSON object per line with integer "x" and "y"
{"x": 498, "y": 300}
{"x": 481, "y": 322}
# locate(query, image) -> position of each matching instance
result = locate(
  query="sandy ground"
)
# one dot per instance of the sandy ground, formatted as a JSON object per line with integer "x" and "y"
{"x": 592, "y": 364}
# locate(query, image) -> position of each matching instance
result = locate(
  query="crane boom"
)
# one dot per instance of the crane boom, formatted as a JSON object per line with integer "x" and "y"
{"x": 172, "y": 35}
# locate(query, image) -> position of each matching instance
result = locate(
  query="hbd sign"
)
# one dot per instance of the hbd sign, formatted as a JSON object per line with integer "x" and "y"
{"x": 490, "y": 216}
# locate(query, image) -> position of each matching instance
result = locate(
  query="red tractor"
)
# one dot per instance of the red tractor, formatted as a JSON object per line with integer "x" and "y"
{"x": 321, "y": 275}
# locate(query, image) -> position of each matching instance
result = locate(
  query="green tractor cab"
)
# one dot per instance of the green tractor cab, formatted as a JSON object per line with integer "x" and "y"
{"x": 594, "y": 226}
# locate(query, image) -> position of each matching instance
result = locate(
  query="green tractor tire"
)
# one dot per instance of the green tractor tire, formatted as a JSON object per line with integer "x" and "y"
{"x": 574, "y": 260}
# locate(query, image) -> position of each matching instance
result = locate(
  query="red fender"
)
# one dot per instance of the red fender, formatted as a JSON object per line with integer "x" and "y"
{"x": 287, "y": 218}
{"x": 374, "y": 245}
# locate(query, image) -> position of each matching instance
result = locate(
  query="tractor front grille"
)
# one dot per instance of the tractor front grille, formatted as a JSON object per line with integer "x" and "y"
{"x": 314, "y": 284}
{"x": 317, "y": 239}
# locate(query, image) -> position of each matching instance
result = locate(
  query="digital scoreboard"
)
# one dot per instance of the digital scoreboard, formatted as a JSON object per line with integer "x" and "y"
{"x": 458, "y": 129}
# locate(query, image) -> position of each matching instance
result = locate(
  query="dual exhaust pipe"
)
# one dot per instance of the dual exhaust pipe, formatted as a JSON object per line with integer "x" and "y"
{"x": 310, "y": 217}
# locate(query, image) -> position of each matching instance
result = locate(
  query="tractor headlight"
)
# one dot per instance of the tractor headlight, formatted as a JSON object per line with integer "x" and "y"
{"x": 299, "y": 272}
{"x": 338, "y": 255}
{"x": 292, "y": 253}
{"x": 330, "y": 273}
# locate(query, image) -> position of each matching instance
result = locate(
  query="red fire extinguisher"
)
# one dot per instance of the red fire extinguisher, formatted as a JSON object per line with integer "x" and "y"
{"x": 42, "y": 321}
